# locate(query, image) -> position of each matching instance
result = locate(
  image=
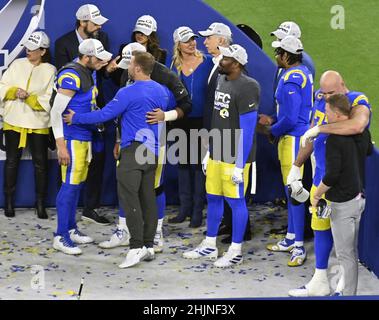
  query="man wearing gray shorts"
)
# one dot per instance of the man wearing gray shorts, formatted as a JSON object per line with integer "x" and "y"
{"x": 343, "y": 185}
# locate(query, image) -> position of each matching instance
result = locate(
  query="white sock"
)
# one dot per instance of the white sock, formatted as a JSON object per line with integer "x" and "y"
{"x": 299, "y": 244}
{"x": 320, "y": 275}
{"x": 122, "y": 222}
{"x": 160, "y": 224}
{"x": 290, "y": 236}
{"x": 236, "y": 247}
{"x": 211, "y": 241}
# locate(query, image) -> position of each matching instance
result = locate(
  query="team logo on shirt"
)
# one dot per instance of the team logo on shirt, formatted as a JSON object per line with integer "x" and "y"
{"x": 224, "y": 113}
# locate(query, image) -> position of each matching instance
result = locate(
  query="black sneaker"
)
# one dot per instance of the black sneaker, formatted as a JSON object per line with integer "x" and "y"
{"x": 92, "y": 216}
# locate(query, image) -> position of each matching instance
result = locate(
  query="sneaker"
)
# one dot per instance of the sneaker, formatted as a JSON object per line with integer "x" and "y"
{"x": 312, "y": 289}
{"x": 150, "y": 254}
{"x": 298, "y": 257}
{"x": 229, "y": 259}
{"x": 93, "y": 216}
{"x": 134, "y": 256}
{"x": 203, "y": 250}
{"x": 65, "y": 244}
{"x": 337, "y": 294}
{"x": 79, "y": 238}
{"x": 158, "y": 241}
{"x": 119, "y": 238}
{"x": 284, "y": 245}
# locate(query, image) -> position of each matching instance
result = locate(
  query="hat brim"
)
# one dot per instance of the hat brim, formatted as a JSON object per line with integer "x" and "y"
{"x": 30, "y": 46}
{"x": 276, "y": 44}
{"x": 145, "y": 31}
{"x": 99, "y": 20}
{"x": 105, "y": 56}
{"x": 205, "y": 33}
{"x": 187, "y": 37}
{"x": 123, "y": 64}
{"x": 279, "y": 34}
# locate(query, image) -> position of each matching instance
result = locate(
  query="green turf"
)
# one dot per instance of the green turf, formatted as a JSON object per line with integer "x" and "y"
{"x": 352, "y": 51}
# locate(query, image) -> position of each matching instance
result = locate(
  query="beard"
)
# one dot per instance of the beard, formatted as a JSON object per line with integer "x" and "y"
{"x": 222, "y": 71}
{"x": 91, "y": 35}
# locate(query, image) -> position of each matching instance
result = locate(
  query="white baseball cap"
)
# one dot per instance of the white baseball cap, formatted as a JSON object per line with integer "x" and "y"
{"x": 183, "y": 34}
{"x": 290, "y": 44}
{"x": 94, "y": 48}
{"x": 36, "y": 40}
{"x": 90, "y": 12}
{"x": 298, "y": 193}
{"x": 146, "y": 24}
{"x": 218, "y": 29}
{"x": 287, "y": 28}
{"x": 127, "y": 54}
{"x": 235, "y": 51}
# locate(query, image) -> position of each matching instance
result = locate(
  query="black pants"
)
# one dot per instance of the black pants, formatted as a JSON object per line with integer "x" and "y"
{"x": 135, "y": 187}
{"x": 38, "y": 144}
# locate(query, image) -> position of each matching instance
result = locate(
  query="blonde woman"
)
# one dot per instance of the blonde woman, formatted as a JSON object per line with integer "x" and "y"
{"x": 25, "y": 90}
{"x": 193, "y": 68}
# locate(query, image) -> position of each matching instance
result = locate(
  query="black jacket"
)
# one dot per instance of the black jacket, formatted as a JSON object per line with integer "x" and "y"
{"x": 66, "y": 50}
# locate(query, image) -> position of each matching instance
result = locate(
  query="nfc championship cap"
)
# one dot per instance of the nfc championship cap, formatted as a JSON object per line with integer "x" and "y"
{"x": 183, "y": 34}
{"x": 36, "y": 40}
{"x": 218, "y": 29}
{"x": 235, "y": 51}
{"x": 90, "y": 12}
{"x": 94, "y": 48}
{"x": 287, "y": 28}
{"x": 127, "y": 53}
{"x": 146, "y": 24}
{"x": 298, "y": 193}
{"x": 290, "y": 44}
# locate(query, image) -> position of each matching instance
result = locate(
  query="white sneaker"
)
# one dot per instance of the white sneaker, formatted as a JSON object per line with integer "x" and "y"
{"x": 134, "y": 256}
{"x": 203, "y": 250}
{"x": 150, "y": 254}
{"x": 66, "y": 245}
{"x": 119, "y": 238}
{"x": 158, "y": 241}
{"x": 79, "y": 238}
{"x": 314, "y": 288}
{"x": 229, "y": 259}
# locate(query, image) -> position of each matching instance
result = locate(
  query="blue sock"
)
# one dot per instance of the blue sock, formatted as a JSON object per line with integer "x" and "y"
{"x": 298, "y": 216}
{"x": 66, "y": 197}
{"x": 214, "y": 214}
{"x": 161, "y": 204}
{"x": 121, "y": 213}
{"x": 239, "y": 218}
{"x": 72, "y": 218}
{"x": 323, "y": 246}
{"x": 290, "y": 228}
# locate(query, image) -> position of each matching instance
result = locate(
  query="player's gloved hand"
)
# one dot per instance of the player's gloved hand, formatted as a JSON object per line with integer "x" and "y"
{"x": 323, "y": 209}
{"x": 309, "y": 135}
{"x": 293, "y": 175}
{"x": 204, "y": 163}
{"x": 237, "y": 176}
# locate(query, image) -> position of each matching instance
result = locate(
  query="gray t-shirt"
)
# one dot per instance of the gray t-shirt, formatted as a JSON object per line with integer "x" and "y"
{"x": 232, "y": 99}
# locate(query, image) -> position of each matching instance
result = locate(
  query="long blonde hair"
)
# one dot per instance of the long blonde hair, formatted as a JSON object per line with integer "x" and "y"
{"x": 177, "y": 58}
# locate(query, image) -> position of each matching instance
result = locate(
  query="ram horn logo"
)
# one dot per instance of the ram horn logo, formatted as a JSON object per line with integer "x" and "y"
{"x": 10, "y": 16}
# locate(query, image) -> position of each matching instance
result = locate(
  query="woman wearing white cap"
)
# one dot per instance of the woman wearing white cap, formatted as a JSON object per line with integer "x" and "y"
{"x": 25, "y": 90}
{"x": 193, "y": 68}
{"x": 145, "y": 33}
